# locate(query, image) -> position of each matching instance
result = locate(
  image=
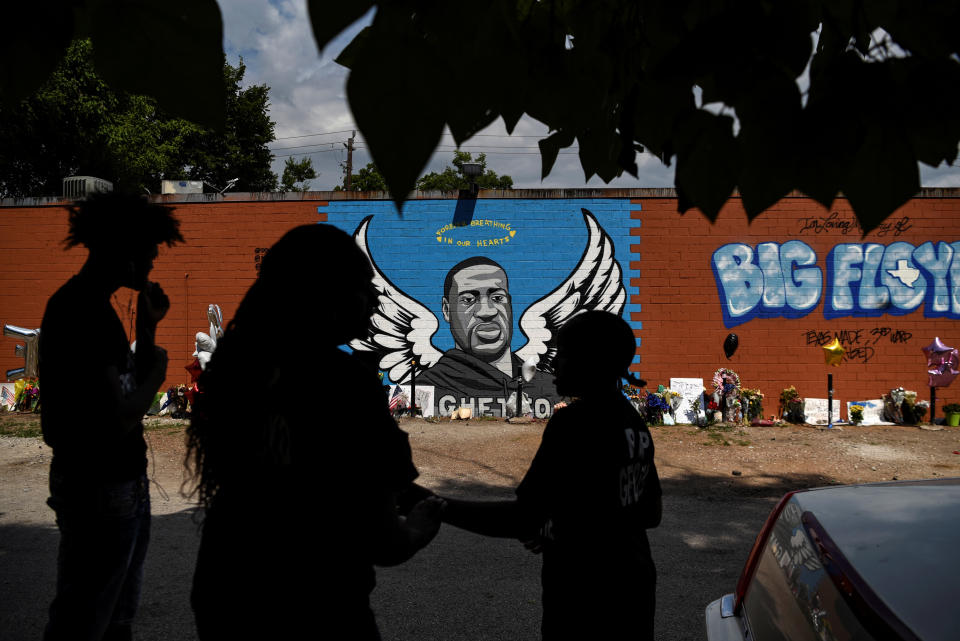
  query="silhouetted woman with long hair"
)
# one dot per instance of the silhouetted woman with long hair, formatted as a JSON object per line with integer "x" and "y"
{"x": 297, "y": 460}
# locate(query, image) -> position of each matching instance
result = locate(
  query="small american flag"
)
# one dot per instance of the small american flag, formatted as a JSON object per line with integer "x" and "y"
{"x": 6, "y": 397}
{"x": 396, "y": 397}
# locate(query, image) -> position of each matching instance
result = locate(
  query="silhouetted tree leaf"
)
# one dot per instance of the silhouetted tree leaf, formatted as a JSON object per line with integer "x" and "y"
{"x": 169, "y": 49}
{"x": 887, "y": 176}
{"x": 707, "y": 164}
{"x": 329, "y": 17}
{"x": 35, "y": 39}
{"x": 550, "y": 148}
{"x": 402, "y": 128}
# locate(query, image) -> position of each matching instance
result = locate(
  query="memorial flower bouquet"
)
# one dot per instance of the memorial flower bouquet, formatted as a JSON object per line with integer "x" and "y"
{"x": 656, "y": 406}
{"x": 753, "y": 400}
{"x": 856, "y": 414}
{"x": 791, "y": 405}
{"x": 671, "y": 398}
{"x": 726, "y": 381}
{"x": 902, "y": 406}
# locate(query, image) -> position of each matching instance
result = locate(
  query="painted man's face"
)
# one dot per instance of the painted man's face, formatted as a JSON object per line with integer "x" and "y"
{"x": 479, "y": 311}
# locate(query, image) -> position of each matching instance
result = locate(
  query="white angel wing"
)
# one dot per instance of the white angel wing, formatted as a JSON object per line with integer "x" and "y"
{"x": 400, "y": 328}
{"x": 595, "y": 283}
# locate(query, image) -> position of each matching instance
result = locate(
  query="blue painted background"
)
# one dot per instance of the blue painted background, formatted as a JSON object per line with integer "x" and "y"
{"x": 550, "y": 238}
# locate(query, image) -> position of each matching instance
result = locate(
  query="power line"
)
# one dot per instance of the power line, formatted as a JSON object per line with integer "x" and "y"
{"x": 316, "y": 144}
{"x": 306, "y": 153}
{"x": 346, "y": 131}
{"x": 325, "y": 133}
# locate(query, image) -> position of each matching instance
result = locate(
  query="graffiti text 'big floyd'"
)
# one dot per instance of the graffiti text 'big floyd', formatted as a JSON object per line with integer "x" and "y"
{"x": 862, "y": 279}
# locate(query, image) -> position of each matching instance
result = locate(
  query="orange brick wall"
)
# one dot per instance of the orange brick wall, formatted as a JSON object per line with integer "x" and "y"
{"x": 682, "y": 323}
{"x": 216, "y": 264}
{"x": 683, "y": 327}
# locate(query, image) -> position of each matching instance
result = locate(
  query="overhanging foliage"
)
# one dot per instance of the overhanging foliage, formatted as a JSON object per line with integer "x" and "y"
{"x": 614, "y": 76}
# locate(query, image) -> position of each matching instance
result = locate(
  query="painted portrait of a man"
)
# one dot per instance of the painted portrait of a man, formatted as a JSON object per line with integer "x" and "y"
{"x": 482, "y": 369}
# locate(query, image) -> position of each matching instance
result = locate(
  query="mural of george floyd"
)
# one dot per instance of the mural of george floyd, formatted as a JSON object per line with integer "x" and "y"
{"x": 469, "y": 290}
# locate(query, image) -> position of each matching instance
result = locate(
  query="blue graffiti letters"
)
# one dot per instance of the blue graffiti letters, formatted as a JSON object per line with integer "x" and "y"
{"x": 871, "y": 280}
{"x": 784, "y": 281}
{"x": 862, "y": 280}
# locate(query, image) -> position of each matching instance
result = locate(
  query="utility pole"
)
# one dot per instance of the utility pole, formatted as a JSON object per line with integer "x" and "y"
{"x": 349, "y": 146}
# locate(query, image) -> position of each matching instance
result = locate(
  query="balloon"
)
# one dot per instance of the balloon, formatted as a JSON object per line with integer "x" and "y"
{"x": 30, "y": 351}
{"x": 833, "y": 352}
{"x": 730, "y": 345}
{"x": 529, "y": 368}
{"x": 207, "y": 343}
{"x": 942, "y": 363}
{"x": 194, "y": 368}
{"x": 215, "y": 316}
{"x": 933, "y": 349}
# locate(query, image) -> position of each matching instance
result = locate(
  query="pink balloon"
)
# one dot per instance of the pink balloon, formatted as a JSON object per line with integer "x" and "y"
{"x": 934, "y": 351}
{"x": 943, "y": 367}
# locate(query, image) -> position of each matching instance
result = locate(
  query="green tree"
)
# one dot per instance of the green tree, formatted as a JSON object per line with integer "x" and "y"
{"x": 453, "y": 178}
{"x": 240, "y": 150}
{"x": 297, "y": 171}
{"x": 75, "y": 124}
{"x": 367, "y": 179}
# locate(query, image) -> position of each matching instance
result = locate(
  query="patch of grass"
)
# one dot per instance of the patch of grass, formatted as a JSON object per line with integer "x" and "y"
{"x": 719, "y": 427}
{"x": 153, "y": 425}
{"x": 715, "y": 438}
{"x": 20, "y": 425}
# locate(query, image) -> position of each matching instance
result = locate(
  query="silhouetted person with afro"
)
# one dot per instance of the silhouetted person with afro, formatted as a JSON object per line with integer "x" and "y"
{"x": 300, "y": 466}
{"x": 589, "y": 496}
{"x": 95, "y": 392}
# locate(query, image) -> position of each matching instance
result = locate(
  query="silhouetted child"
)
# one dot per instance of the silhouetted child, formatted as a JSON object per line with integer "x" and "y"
{"x": 300, "y": 495}
{"x": 589, "y": 496}
{"x": 98, "y": 484}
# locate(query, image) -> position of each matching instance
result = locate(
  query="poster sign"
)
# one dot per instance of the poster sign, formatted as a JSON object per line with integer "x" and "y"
{"x": 690, "y": 389}
{"x": 424, "y": 397}
{"x": 815, "y": 411}
{"x": 872, "y": 412}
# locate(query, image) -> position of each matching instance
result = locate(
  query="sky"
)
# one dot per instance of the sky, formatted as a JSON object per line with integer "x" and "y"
{"x": 312, "y": 116}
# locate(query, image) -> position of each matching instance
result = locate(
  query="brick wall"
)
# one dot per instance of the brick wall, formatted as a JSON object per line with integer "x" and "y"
{"x": 675, "y": 293}
{"x": 684, "y": 325}
{"x": 216, "y": 264}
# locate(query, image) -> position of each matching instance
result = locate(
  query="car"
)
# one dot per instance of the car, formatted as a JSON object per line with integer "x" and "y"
{"x": 866, "y": 562}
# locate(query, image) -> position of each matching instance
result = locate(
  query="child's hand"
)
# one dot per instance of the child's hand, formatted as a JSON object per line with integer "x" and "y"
{"x": 423, "y": 520}
{"x": 534, "y": 545}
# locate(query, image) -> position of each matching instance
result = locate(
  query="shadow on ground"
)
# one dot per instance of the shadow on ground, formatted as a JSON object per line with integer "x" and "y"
{"x": 462, "y": 587}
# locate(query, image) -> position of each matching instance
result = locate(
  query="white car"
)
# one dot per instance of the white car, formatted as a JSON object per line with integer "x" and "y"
{"x": 878, "y": 562}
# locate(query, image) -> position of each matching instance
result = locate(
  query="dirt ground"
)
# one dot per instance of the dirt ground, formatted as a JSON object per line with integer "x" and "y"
{"x": 719, "y": 485}
{"x": 491, "y": 455}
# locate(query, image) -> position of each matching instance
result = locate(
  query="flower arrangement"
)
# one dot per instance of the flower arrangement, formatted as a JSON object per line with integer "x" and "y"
{"x": 671, "y": 398}
{"x": 633, "y": 392}
{"x": 902, "y": 406}
{"x": 856, "y": 414}
{"x": 791, "y": 405}
{"x": 26, "y": 395}
{"x": 753, "y": 400}
{"x": 655, "y": 407}
{"x": 951, "y": 408}
{"x": 726, "y": 381}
